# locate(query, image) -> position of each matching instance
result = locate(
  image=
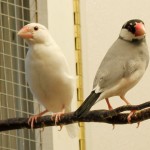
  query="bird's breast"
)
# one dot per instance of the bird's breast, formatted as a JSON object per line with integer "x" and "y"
{"x": 123, "y": 85}
{"x": 49, "y": 81}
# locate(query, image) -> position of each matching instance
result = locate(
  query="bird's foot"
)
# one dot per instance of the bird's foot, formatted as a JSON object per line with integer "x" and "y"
{"x": 113, "y": 126}
{"x": 110, "y": 108}
{"x": 138, "y": 124}
{"x": 43, "y": 126}
{"x": 57, "y": 116}
{"x": 130, "y": 115}
{"x": 34, "y": 118}
{"x": 61, "y": 126}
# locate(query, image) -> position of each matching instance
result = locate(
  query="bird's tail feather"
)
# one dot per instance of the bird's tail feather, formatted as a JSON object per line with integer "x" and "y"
{"x": 87, "y": 104}
{"x": 72, "y": 130}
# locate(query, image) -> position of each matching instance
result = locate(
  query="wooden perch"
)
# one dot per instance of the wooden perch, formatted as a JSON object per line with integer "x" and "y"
{"x": 114, "y": 116}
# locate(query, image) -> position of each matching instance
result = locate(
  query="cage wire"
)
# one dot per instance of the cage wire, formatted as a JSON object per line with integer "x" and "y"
{"x": 15, "y": 97}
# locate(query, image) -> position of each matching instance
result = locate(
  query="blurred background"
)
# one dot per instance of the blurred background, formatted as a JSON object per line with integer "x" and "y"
{"x": 84, "y": 29}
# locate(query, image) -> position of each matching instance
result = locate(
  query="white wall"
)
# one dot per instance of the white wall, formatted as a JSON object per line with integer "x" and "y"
{"x": 101, "y": 21}
{"x": 60, "y": 25}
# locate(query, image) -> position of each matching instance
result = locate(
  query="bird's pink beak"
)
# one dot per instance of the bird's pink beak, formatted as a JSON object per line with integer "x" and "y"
{"x": 140, "y": 29}
{"x": 25, "y": 32}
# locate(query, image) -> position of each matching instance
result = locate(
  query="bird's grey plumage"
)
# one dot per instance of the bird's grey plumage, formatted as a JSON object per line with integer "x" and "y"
{"x": 122, "y": 67}
{"x": 133, "y": 56}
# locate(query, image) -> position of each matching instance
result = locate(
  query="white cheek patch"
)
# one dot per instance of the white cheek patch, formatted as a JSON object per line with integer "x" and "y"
{"x": 126, "y": 35}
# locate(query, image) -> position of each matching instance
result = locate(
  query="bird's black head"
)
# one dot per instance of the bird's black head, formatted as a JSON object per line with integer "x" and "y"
{"x": 133, "y": 30}
{"x": 131, "y": 25}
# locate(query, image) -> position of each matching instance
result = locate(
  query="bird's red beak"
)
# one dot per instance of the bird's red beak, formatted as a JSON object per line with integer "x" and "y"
{"x": 25, "y": 33}
{"x": 139, "y": 29}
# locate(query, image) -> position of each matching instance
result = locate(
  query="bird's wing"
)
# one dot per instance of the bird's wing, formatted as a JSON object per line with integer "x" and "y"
{"x": 109, "y": 73}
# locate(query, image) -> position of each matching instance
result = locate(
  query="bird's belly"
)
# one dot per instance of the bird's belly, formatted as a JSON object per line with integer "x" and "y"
{"x": 53, "y": 96}
{"x": 58, "y": 96}
{"x": 124, "y": 85}
{"x": 52, "y": 89}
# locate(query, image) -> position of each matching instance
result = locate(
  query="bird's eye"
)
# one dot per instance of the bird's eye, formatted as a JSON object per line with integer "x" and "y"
{"x": 36, "y": 28}
{"x": 131, "y": 28}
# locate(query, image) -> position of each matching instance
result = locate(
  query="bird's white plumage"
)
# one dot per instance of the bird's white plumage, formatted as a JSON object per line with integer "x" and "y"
{"x": 48, "y": 75}
{"x": 47, "y": 70}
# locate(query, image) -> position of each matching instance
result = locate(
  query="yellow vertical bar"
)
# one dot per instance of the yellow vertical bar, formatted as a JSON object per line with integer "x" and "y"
{"x": 36, "y": 8}
{"x": 78, "y": 53}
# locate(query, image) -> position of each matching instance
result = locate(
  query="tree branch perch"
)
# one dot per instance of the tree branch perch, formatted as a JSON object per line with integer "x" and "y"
{"x": 114, "y": 116}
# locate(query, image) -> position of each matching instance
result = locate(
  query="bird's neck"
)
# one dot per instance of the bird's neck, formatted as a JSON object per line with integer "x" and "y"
{"x": 47, "y": 41}
{"x": 133, "y": 40}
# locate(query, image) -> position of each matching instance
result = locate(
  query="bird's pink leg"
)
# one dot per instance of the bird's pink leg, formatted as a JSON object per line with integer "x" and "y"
{"x": 33, "y": 119}
{"x": 132, "y": 111}
{"x": 57, "y": 116}
{"x": 108, "y": 104}
{"x": 110, "y": 108}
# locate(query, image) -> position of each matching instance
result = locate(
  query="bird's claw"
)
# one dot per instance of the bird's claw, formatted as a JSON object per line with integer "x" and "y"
{"x": 43, "y": 126}
{"x": 113, "y": 126}
{"x": 138, "y": 124}
{"x": 57, "y": 117}
{"x": 129, "y": 117}
{"x": 31, "y": 120}
{"x": 110, "y": 108}
{"x": 34, "y": 118}
{"x": 61, "y": 126}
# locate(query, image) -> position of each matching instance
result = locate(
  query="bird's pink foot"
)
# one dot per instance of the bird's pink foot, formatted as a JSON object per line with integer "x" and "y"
{"x": 138, "y": 124}
{"x": 130, "y": 115}
{"x": 61, "y": 126}
{"x": 110, "y": 108}
{"x": 57, "y": 116}
{"x": 108, "y": 104}
{"x": 34, "y": 118}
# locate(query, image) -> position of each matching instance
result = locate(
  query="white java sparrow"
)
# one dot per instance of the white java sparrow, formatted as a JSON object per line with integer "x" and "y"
{"x": 47, "y": 73}
{"x": 122, "y": 67}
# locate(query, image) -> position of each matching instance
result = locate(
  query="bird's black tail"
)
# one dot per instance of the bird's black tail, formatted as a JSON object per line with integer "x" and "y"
{"x": 87, "y": 104}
